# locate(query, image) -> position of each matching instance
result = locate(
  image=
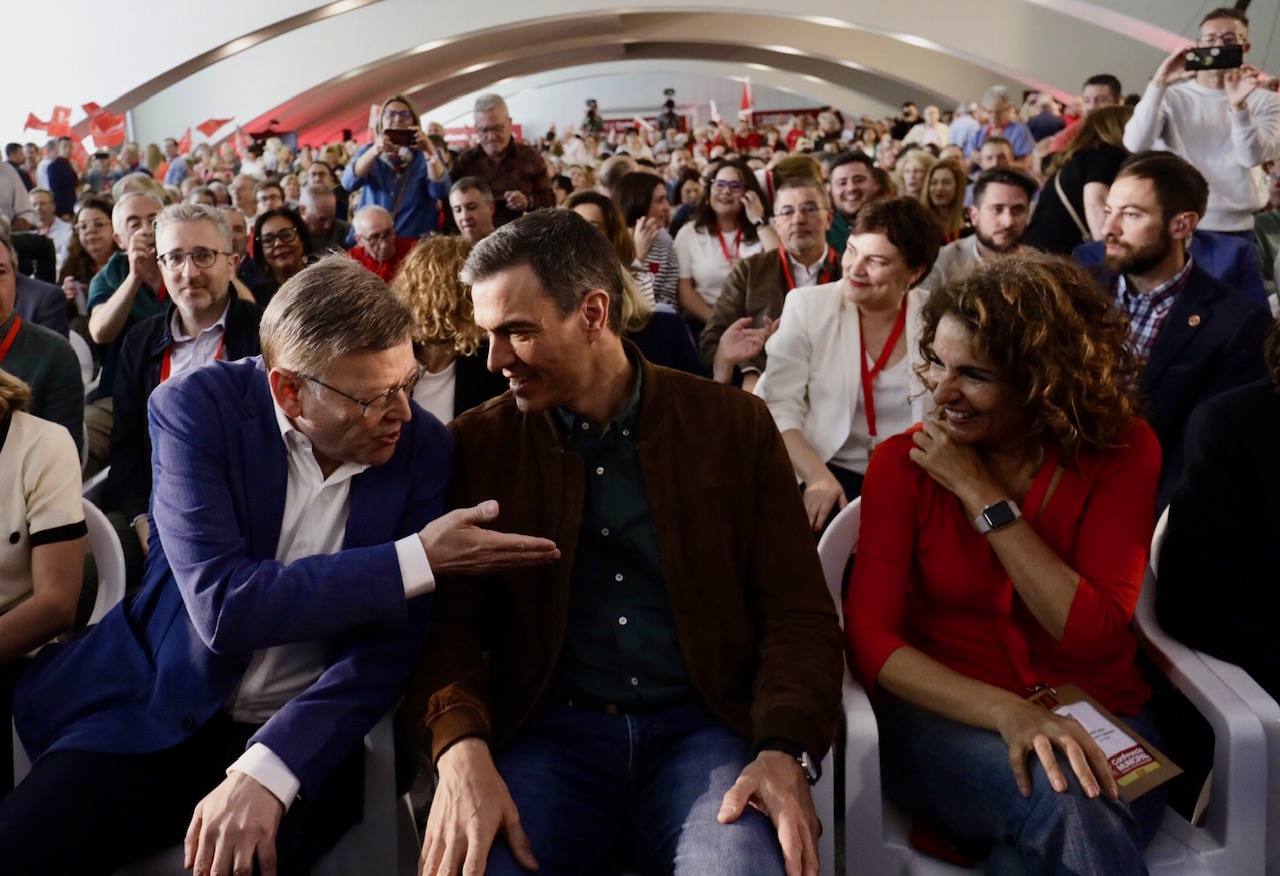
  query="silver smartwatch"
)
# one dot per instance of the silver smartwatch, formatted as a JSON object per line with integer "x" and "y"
{"x": 997, "y": 516}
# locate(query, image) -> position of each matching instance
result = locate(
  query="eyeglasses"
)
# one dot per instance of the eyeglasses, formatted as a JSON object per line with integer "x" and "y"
{"x": 380, "y": 237}
{"x": 284, "y": 235}
{"x": 377, "y": 404}
{"x": 398, "y": 117}
{"x": 732, "y": 185}
{"x": 491, "y": 129}
{"x": 807, "y": 209}
{"x": 1230, "y": 38}
{"x": 174, "y": 259}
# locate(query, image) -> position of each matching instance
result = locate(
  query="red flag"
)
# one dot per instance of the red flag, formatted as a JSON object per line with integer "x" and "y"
{"x": 33, "y": 123}
{"x": 60, "y": 122}
{"x": 745, "y": 103}
{"x": 107, "y": 129}
{"x": 184, "y": 144}
{"x": 91, "y": 109}
{"x": 210, "y": 126}
{"x": 79, "y": 156}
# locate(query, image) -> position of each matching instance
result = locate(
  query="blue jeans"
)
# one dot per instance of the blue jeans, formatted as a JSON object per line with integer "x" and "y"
{"x": 958, "y": 778}
{"x": 595, "y": 789}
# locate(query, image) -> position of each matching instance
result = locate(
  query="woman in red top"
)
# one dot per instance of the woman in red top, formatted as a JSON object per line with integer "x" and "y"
{"x": 1028, "y": 368}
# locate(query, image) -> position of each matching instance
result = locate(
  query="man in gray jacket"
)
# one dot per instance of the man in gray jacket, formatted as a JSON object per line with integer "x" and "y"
{"x": 1000, "y": 213}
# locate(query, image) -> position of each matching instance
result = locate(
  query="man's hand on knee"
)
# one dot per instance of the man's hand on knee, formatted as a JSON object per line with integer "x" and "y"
{"x": 234, "y": 824}
{"x": 471, "y": 805}
{"x": 775, "y": 784}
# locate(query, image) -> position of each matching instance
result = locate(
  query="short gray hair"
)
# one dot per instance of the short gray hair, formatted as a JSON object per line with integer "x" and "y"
{"x": 567, "y": 254}
{"x": 489, "y": 102}
{"x": 118, "y": 210}
{"x": 313, "y": 193}
{"x": 330, "y": 309}
{"x": 993, "y": 95}
{"x": 367, "y": 211}
{"x": 175, "y": 213}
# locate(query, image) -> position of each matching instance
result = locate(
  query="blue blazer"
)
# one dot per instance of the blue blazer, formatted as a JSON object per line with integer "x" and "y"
{"x": 42, "y": 303}
{"x": 1233, "y": 260}
{"x": 166, "y": 660}
{"x": 1210, "y": 342}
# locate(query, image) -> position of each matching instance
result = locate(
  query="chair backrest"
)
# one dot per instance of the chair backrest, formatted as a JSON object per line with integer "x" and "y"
{"x": 84, "y": 355}
{"x": 108, "y": 555}
{"x": 835, "y": 546}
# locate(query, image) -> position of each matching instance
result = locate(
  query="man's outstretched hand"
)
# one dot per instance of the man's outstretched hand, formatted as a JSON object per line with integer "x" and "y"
{"x": 456, "y": 544}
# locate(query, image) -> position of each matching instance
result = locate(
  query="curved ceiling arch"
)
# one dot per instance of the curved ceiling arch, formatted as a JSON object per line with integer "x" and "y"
{"x": 1010, "y": 40}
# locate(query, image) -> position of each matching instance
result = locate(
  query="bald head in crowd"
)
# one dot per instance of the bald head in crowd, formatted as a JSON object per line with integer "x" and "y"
{"x": 318, "y": 206}
{"x": 612, "y": 170}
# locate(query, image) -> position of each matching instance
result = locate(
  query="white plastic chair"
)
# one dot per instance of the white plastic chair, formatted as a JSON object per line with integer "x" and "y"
{"x": 1234, "y": 840}
{"x": 109, "y": 558}
{"x": 1238, "y": 825}
{"x": 84, "y": 355}
{"x": 95, "y": 488}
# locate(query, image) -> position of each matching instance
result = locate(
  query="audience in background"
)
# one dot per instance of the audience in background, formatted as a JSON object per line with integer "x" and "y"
{"x": 943, "y": 199}
{"x": 473, "y": 208}
{"x": 1000, "y": 212}
{"x": 90, "y": 249}
{"x": 378, "y": 247}
{"x": 514, "y": 171}
{"x": 280, "y": 245}
{"x": 642, "y": 199}
{"x": 853, "y": 181}
{"x": 318, "y": 208}
{"x": 48, "y": 223}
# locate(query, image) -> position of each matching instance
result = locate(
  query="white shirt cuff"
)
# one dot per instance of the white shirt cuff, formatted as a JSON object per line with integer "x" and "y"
{"x": 415, "y": 570}
{"x": 261, "y": 764}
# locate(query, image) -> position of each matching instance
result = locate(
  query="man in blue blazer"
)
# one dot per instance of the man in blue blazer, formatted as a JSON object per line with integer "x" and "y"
{"x": 296, "y": 532}
{"x": 42, "y": 303}
{"x": 1195, "y": 336}
{"x": 1225, "y": 257}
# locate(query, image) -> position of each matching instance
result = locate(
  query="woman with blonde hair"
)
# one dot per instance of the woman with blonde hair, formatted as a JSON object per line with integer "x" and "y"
{"x": 447, "y": 343}
{"x": 1069, "y": 211}
{"x": 1002, "y": 549}
{"x": 42, "y": 553}
{"x": 909, "y": 173}
{"x": 944, "y": 186}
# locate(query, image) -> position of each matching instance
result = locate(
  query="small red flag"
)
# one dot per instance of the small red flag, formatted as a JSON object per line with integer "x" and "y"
{"x": 60, "y": 122}
{"x": 209, "y": 127}
{"x": 80, "y": 156}
{"x": 744, "y": 102}
{"x": 33, "y": 123}
{"x": 107, "y": 130}
{"x": 91, "y": 109}
{"x": 184, "y": 144}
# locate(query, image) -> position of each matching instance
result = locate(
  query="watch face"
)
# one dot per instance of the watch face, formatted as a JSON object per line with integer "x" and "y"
{"x": 998, "y": 515}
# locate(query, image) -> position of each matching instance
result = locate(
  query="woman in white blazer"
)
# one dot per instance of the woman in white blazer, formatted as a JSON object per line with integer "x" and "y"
{"x": 831, "y": 338}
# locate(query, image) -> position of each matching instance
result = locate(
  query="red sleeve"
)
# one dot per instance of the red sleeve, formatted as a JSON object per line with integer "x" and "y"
{"x": 876, "y": 601}
{"x": 1112, "y": 545}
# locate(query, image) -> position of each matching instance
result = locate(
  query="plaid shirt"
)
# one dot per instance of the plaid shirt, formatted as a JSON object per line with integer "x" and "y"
{"x": 1148, "y": 312}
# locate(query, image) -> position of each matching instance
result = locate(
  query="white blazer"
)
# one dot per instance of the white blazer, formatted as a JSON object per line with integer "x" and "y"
{"x": 812, "y": 379}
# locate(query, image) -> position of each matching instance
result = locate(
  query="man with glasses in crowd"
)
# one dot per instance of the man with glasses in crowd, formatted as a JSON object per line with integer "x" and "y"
{"x": 204, "y": 321}
{"x": 297, "y": 519}
{"x": 377, "y": 246}
{"x": 401, "y": 171}
{"x": 128, "y": 289}
{"x": 515, "y": 172}
{"x": 319, "y": 173}
{"x": 751, "y": 299}
{"x": 1218, "y": 120}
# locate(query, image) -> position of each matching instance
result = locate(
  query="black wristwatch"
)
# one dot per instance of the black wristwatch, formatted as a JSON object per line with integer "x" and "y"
{"x": 812, "y": 768}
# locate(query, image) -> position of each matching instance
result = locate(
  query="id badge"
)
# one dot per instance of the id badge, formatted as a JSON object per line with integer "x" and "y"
{"x": 1136, "y": 764}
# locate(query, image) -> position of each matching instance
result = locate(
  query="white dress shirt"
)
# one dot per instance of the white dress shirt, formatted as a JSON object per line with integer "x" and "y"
{"x": 314, "y": 524}
{"x": 192, "y": 352}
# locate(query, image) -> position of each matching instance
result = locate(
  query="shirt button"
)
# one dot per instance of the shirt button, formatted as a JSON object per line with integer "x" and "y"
{"x": 618, "y": 576}
{"x": 600, "y": 469}
{"x": 622, "y": 621}
{"x": 605, "y": 531}
{"x": 585, "y": 427}
{"x": 634, "y": 681}
{"x": 626, "y": 433}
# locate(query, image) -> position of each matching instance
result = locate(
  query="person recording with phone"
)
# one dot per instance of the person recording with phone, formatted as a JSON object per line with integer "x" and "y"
{"x": 401, "y": 171}
{"x": 1205, "y": 104}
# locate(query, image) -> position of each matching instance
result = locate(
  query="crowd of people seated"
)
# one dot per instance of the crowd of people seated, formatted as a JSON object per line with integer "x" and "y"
{"x": 539, "y": 437}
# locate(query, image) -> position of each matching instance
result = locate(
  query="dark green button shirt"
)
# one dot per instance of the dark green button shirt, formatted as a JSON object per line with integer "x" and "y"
{"x": 620, "y": 645}
{"x": 145, "y": 304}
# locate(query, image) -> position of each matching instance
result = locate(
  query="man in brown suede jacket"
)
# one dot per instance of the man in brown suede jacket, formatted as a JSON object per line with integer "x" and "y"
{"x": 662, "y": 693}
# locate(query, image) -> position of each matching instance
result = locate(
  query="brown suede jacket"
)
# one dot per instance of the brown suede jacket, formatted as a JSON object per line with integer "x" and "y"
{"x": 756, "y": 627}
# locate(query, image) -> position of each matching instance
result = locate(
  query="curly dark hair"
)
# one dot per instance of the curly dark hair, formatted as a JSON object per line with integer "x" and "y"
{"x": 1048, "y": 329}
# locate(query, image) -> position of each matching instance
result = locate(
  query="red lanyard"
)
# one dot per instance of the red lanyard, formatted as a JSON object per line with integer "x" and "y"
{"x": 737, "y": 245}
{"x": 869, "y": 374}
{"x": 828, "y": 265}
{"x": 10, "y": 336}
{"x": 166, "y": 364}
{"x": 162, "y": 293}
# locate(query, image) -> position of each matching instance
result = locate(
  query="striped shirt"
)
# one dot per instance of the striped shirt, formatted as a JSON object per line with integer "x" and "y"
{"x": 661, "y": 264}
{"x": 1148, "y": 312}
